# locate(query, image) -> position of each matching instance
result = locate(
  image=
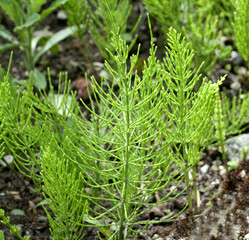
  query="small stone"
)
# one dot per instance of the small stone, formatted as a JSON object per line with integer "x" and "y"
{"x": 246, "y": 237}
{"x": 214, "y": 168}
{"x": 113, "y": 228}
{"x": 236, "y": 58}
{"x": 8, "y": 159}
{"x": 155, "y": 236}
{"x": 235, "y": 145}
{"x": 204, "y": 169}
{"x": 222, "y": 171}
{"x": 242, "y": 71}
{"x": 61, "y": 15}
{"x": 235, "y": 85}
{"x": 216, "y": 182}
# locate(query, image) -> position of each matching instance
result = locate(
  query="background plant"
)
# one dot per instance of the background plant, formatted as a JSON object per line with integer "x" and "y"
{"x": 77, "y": 12}
{"x": 192, "y": 111}
{"x": 241, "y": 18}
{"x": 108, "y": 17}
{"x": 197, "y": 23}
{"x": 231, "y": 118}
{"x": 26, "y": 15}
{"x": 13, "y": 228}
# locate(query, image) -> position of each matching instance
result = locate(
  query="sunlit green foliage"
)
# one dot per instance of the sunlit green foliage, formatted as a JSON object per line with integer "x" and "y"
{"x": 241, "y": 19}
{"x": 197, "y": 22}
{"x": 108, "y": 17}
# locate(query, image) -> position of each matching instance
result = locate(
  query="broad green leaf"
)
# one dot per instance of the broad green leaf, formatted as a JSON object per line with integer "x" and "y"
{"x": 31, "y": 20}
{"x": 38, "y": 36}
{"x": 18, "y": 212}
{"x": 4, "y": 33}
{"x": 7, "y": 46}
{"x": 35, "y": 6}
{"x": 56, "y": 38}
{"x": 39, "y": 80}
{"x": 1, "y": 235}
{"x": 56, "y": 4}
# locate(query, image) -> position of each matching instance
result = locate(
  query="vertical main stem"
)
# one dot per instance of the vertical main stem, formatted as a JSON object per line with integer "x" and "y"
{"x": 28, "y": 52}
{"x": 189, "y": 192}
{"x": 184, "y": 144}
{"x": 126, "y": 165}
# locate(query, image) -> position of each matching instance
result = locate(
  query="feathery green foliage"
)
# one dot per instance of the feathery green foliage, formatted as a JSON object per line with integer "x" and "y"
{"x": 103, "y": 172}
{"x": 235, "y": 113}
{"x": 77, "y": 12}
{"x": 196, "y": 23}
{"x": 192, "y": 111}
{"x": 62, "y": 190}
{"x": 108, "y": 17}
{"x": 231, "y": 118}
{"x": 12, "y": 228}
{"x": 241, "y": 19}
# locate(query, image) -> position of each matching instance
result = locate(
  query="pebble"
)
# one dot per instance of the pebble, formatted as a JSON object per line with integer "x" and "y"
{"x": 204, "y": 169}
{"x": 113, "y": 228}
{"x": 246, "y": 237}
{"x": 214, "y": 168}
{"x": 61, "y": 15}
{"x": 156, "y": 237}
{"x": 242, "y": 71}
{"x": 216, "y": 182}
{"x": 9, "y": 160}
{"x": 222, "y": 171}
{"x": 236, "y": 58}
{"x": 235, "y": 85}
{"x": 235, "y": 145}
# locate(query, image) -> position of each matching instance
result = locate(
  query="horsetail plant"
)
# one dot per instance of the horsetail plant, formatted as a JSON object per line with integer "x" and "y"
{"x": 241, "y": 19}
{"x": 141, "y": 139}
{"x": 196, "y": 23}
{"x": 191, "y": 109}
{"x": 12, "y": 228}
{"x": 130, "y": 171}
{"x": 108, "y": 17}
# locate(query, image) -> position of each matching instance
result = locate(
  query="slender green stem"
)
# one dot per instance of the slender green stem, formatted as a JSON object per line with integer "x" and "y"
{"x": 224, "y": 158}
{"x": 28, "y": 51}
{"x": 126, "y": 165}
{"x": 189, "y": 192}
{"x": 195, "y": 189}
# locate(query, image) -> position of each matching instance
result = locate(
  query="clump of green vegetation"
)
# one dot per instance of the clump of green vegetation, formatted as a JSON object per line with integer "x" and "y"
{"x": 77, "y": 12}
{"x": 124, "y": 154}
{"x": 146, "y": 133}
{"x": 26, "y": 16}
{"x": 108, "y": 17}
{"x": 197, "y": 23}
{"x": 241, "y": 19}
